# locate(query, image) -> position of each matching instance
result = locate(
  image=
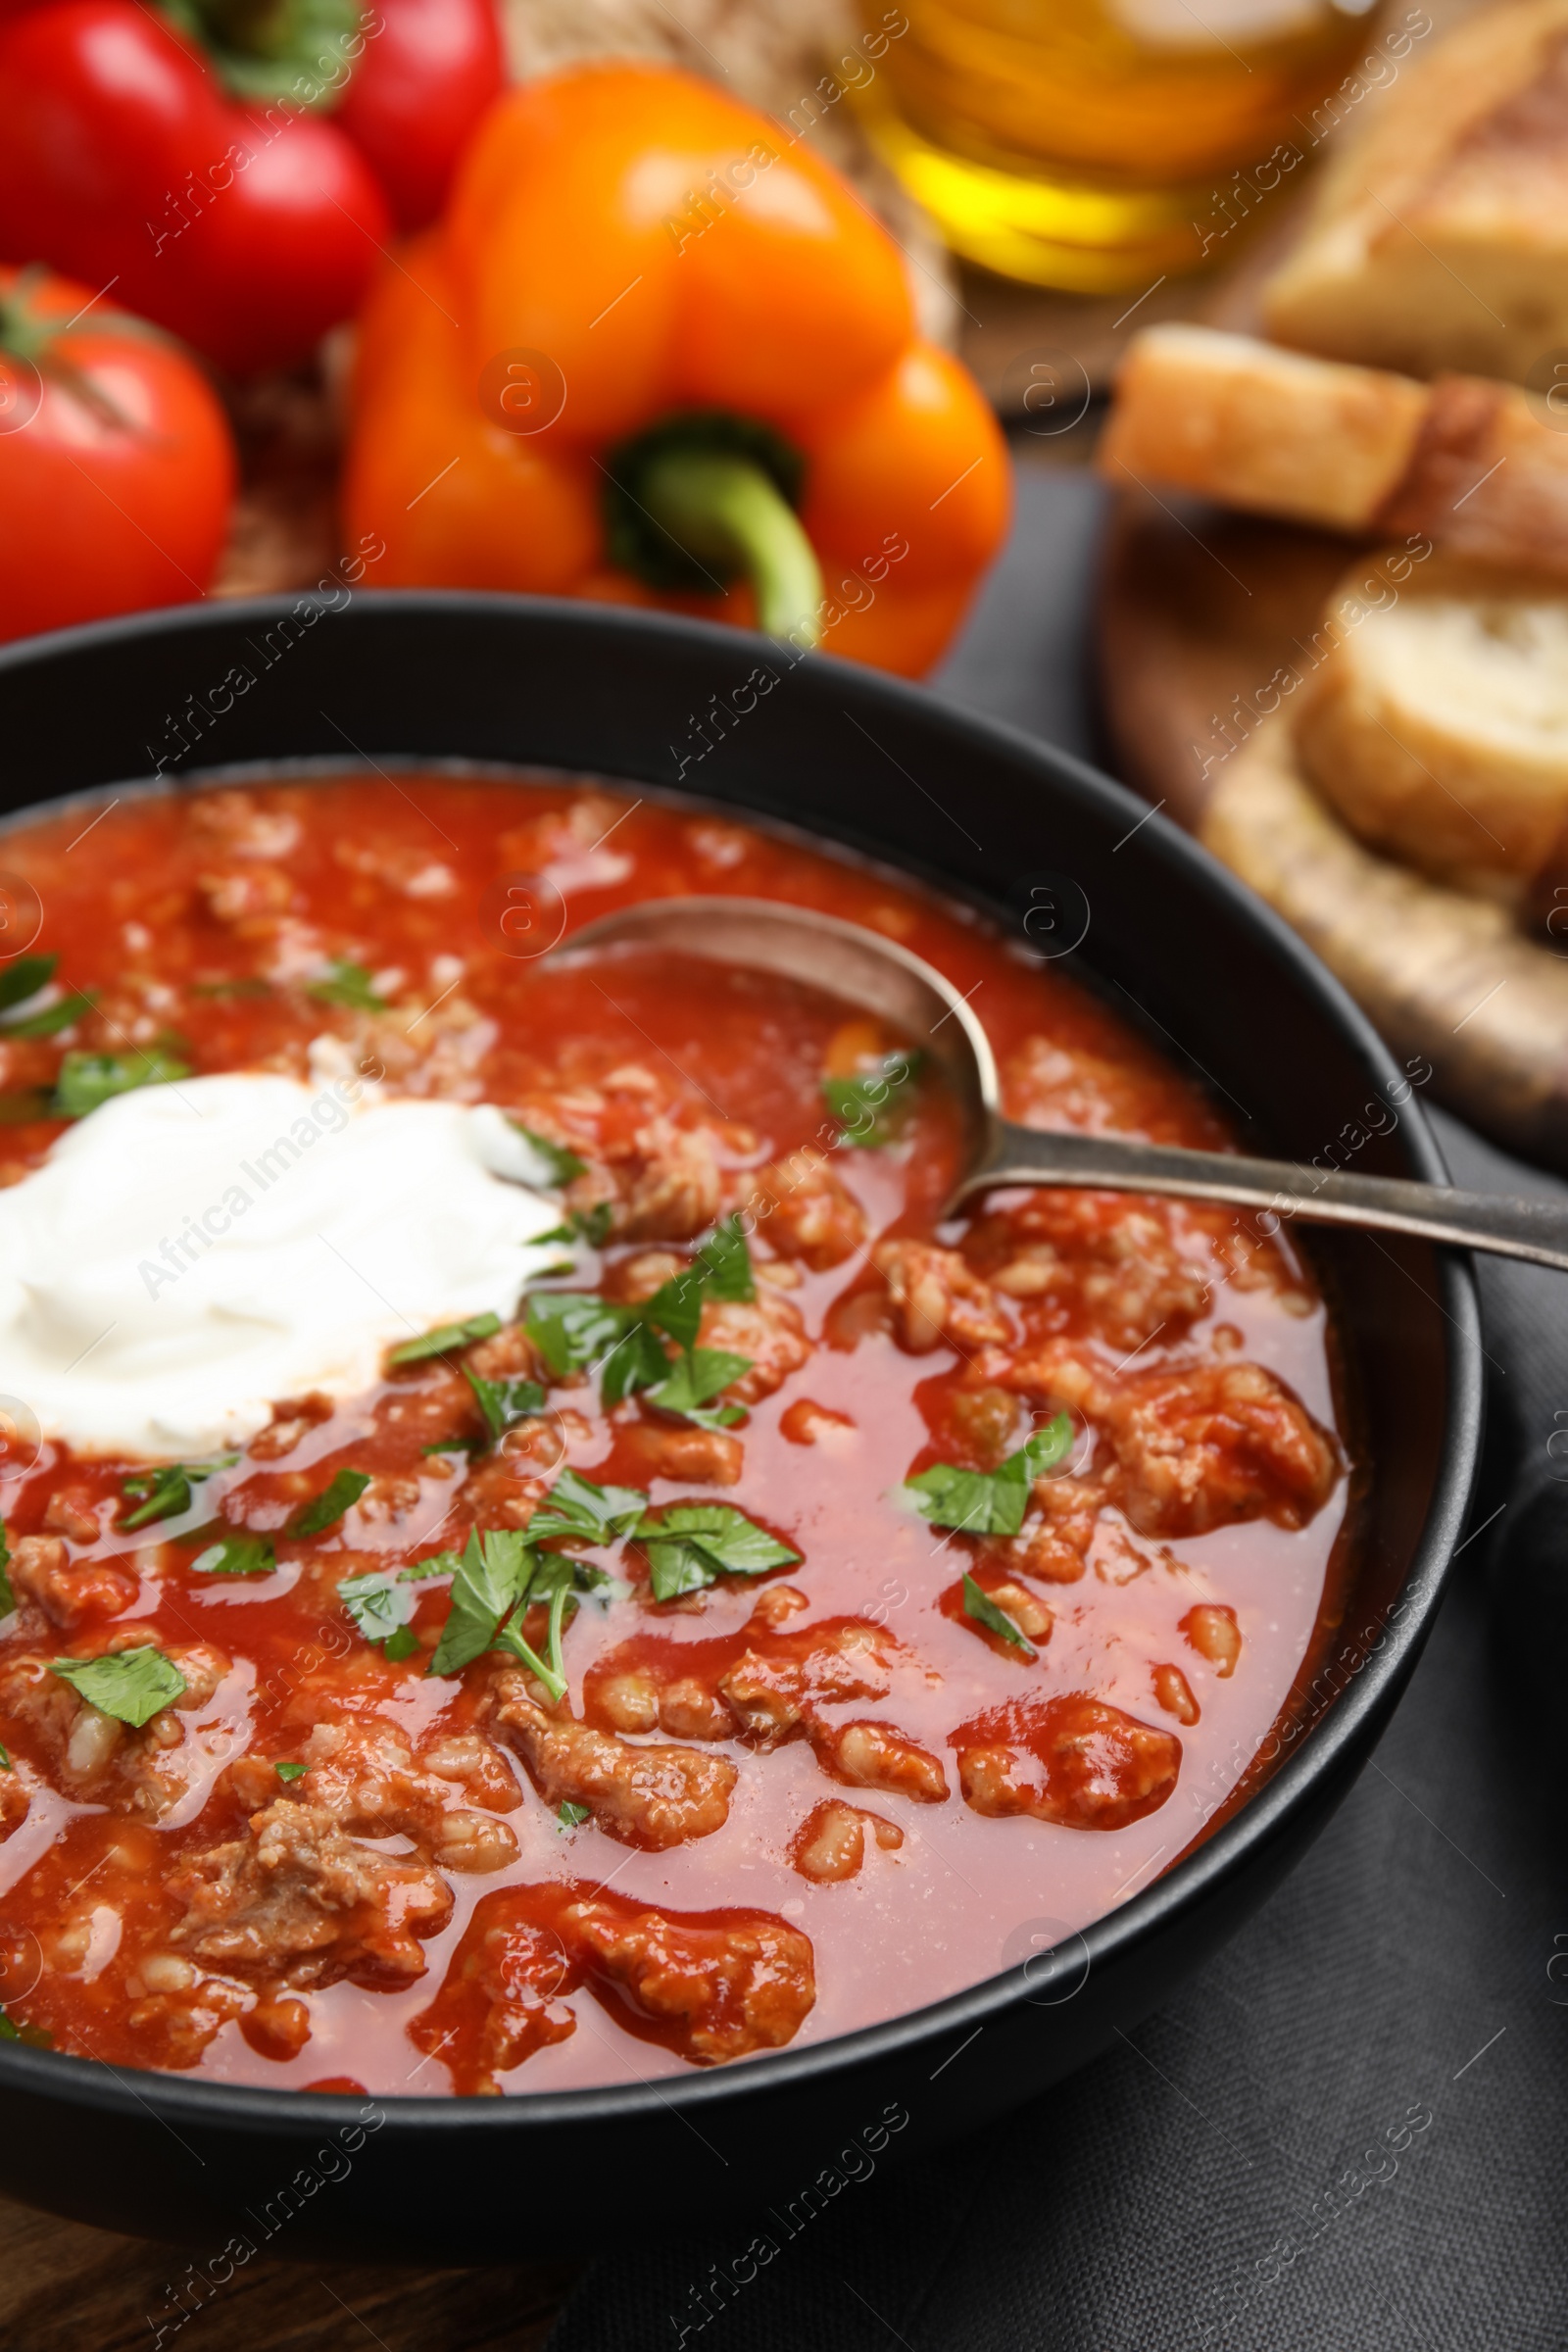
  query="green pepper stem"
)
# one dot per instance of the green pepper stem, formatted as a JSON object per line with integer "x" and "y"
{"x": 724, "y": 509}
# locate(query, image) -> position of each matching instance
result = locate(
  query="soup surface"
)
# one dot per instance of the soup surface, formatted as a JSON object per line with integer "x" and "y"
{"x": 790, "y": 1610}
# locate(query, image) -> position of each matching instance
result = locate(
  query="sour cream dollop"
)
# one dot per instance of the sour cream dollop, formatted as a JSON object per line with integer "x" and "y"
{"x": 190, "y": 1254}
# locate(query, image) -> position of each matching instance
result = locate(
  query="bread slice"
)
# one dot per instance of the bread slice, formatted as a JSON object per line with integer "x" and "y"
{"x": 1442, "y": 974}
{"x": 1255, "y": 427}
{"x": 1465, "y": 462}
{"x": 1440, "y": 237}
{"x": 1438, "y": 724}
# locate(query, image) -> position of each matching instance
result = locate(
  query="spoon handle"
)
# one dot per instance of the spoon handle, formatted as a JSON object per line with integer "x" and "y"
{"x": 1535, "y": 1228}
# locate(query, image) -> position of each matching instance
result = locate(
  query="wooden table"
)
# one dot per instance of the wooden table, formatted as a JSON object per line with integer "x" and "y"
{"x": 64, "y": 2286}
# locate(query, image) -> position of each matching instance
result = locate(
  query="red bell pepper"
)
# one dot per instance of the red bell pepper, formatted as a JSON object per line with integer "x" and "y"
{"x": 117, "y": 466}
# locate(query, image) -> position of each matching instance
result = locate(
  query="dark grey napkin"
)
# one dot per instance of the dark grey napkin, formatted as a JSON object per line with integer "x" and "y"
{"x": 1349, "y": 2131}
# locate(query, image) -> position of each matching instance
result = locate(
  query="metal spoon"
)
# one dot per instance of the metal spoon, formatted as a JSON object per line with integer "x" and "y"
{"x": 872, "y": 972}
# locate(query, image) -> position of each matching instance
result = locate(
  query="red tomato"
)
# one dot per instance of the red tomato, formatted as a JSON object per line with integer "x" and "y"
{"x": 247, "y": 232}
{"x": 429, "y": 70}
{"x": 117, "y": 466}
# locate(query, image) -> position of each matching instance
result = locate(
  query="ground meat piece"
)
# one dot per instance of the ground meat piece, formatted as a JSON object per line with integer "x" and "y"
{"x": 390, "y": 1495}
{"x": 498, "y": 2001}
{"x": 1052, "y": 1085}
{"x": 1208, "y": 1445}
{"x": 277, "y": 2029}
{"x": 1072, "y": 1760}
{"x": 240, "y": 825}
{"x": 1174, "y": 1694}
{"x": 67, "y": 1593}
{"x": 555, "y": 835}
{"x": 808, "y": 1423}
{"x": 508, "y": 1354}
{"x": 290, "y": 1423}
{"x": 173, "y": 2028}
{"x": 1027, "y": 1610}
{"x": 936, "y": 1296}
{"x": 778, "y": 1684}
{"x": 242, "y": 895}
{"x": 503, "y": 1492}
{"x": 698, "y": 1457}
{"x": 71, "y": 1512}
{"x": 649, "y": 1797}
{"x": 722, "y": 1987}
{"x": 656, "y": 1165}
{"x": 1214, "y": 1634}
{"x": 1055, "y": 1546}
{"x": 830, "y": 1843}
{"x": 876, "y": 1755}
{"x": 767, "y": 1328}
{"x": 809, "y": 1211}
{"x": 363, "y": 1773}
{"x": 478, "y": 1767}
{"x": 296, "y": 1902}
{"x": 13, "y": 1803}
{"x": 146, "y": 1769}
{"x": 1093, "y": 1262}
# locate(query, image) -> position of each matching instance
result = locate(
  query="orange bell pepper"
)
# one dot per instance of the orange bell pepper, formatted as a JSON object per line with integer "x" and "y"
{"x": 657, "y": 352}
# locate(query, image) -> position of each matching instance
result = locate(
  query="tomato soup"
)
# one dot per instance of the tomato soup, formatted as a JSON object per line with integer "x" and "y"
{"x": 786, "y": 1607}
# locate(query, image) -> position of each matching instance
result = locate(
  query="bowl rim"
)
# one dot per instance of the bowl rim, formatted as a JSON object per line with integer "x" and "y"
{"x": 1372, "y": 1686}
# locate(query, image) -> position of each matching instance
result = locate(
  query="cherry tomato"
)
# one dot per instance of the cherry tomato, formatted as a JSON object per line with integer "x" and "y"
{"x": 117, "y": 465}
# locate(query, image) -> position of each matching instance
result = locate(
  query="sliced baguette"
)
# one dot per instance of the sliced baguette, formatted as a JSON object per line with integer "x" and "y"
{"x": 1440, "y": 237}
{"x": 1438, "y": 724}
{"x": 1465, "y": 462}
{"x": 1441, "y": 973}
{"x": 1257, "y": 427}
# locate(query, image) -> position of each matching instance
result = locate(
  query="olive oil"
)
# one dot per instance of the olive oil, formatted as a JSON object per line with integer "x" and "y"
{"x": 1082, "y": 143}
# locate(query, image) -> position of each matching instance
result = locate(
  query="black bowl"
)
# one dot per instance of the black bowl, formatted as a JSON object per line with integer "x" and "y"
{"x": 998, "y": 819}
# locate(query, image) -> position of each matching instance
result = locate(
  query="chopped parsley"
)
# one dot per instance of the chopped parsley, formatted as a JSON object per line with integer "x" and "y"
{"x": 23, "y": 976}
{"x": 447, "y": 1335}
{"x": 978, "y": 1605}
{"x": 696, "y": 1379}
{"x": 576, "y": 1332}
{"x": 502, "y": 1573}
{"x": 132, "y": 1685}
{"x": 51, "y": 1019}
{"x": 506, "y": 1403}
{"x": 380, "y": 1605}
{"x": 990, "y": 1502}
{"x": 329, "y": 1508}
{"x": 693, "y": 1543}
{"x": 34, "y": 2036}
{"x": 166, "y": 1491}
{"x": 232, "y": 1551}
{"x": 456, "y": 1445}
{"x": 575, "y": 1508}
{"x": 20, "y": 1104}
{"x": 871, "y": 1105}
{"x": 571, "y": 1817}
{"x": 86, "y": 1081}
{"x": 347, "y": 983}
{"x": 290, "y": 1772}
{"x": 5, "y": 1760}
{"x": 490, "y": 1580}
{"x": 559, "y": 1164}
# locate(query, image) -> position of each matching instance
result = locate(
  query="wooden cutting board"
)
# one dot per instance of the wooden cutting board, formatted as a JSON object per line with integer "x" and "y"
{"x": 1204, "y": 618}
{"x": 64, "y": 2288}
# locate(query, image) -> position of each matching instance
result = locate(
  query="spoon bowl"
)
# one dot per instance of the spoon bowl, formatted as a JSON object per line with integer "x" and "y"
{"x": 876, "y": 975}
